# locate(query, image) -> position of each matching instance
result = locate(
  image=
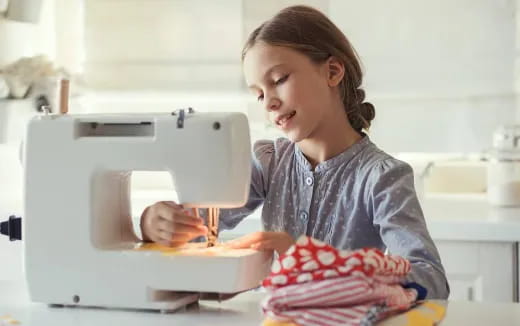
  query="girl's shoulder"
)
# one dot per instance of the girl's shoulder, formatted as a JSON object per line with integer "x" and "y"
{"x": 267, "y": 150}
{"x": 268, "y": 154}
{"x": 377, "y": 162}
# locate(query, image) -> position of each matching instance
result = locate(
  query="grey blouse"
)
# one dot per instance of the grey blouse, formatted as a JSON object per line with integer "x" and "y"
{"x": 362, "y": 197}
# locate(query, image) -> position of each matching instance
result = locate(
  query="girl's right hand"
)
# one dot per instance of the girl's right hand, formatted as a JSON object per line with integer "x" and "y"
{"x": 170, "y": 224}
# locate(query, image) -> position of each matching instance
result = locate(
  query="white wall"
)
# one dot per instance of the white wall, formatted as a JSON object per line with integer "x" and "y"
{"x": 441, "y": 73}
{"x": 19, "y": 39}
{"x": 432, "y": 48}
{"x": 517, "y": 58}
{"x": 69, "y": 34}
{"x": 163, "y": 44}
{"x": 430, "y": 65}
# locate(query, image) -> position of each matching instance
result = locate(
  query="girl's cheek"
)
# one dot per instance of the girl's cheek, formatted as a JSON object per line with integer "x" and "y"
{"x": 288, "y": 91}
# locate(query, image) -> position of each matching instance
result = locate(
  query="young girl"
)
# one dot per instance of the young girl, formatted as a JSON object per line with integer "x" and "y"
{"x": 326, "y": 179}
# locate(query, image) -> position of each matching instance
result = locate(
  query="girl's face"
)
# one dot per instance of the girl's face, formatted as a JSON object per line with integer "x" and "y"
{"x": 293, "y": 90}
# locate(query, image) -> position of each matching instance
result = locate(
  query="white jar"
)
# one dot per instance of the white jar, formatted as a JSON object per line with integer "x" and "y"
{"x": 503, "y": 177}
{"x": 503, "y": 183}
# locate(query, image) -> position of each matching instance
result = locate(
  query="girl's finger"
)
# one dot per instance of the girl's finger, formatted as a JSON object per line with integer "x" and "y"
{"x": 177, "y": 215}
{"x": 174, "y": 228}
{"x": 264, "y": 245}
{"x": 178, "y": 237}
{"x": 188, "y": 219}
{"x": 172, "y": 204}
{"x": 165, "y": 235}
{"x": 246, "y": 241}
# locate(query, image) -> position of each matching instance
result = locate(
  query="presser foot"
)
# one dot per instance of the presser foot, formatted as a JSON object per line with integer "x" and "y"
{"x": 212, "y": 241}
{"x": 172, "y": 301}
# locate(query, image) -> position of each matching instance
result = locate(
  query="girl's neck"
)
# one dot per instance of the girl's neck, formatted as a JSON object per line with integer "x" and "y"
{"x": 332, "y": 137}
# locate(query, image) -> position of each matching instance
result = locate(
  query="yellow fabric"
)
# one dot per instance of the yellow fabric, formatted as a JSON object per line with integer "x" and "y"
{"x": 8, "y": 320}
{"x": 144, "y": 246}
{"x": 200, "y": 249}
{"x": 271, "y": 322}
{"x": 426, "y": 314}
{"x": 195, "y": 249}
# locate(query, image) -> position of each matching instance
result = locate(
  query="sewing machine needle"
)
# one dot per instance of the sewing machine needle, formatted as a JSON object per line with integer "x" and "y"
{"x": 212, "y": 226}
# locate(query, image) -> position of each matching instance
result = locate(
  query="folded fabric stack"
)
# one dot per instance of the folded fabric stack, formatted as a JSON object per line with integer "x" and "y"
{"x": 316, "y": 284}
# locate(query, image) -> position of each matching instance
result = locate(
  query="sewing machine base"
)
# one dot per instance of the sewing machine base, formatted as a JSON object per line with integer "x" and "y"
{"x": 171, "y": 302}
{"x": 149, "y": 279}
{"x": 176, "y": 301}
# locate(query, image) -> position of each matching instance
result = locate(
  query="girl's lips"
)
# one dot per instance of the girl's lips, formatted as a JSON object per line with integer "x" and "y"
{"x": 284, "y": 120}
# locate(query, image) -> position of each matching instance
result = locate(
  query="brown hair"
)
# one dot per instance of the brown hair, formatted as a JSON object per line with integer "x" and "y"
{"x": 311, "y": 33}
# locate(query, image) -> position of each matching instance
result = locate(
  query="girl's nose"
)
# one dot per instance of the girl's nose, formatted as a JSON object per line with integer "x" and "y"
{"x": 272, "y": 104}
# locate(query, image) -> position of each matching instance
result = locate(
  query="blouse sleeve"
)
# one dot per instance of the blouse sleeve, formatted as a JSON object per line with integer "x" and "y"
{"x": 400, "y": 222}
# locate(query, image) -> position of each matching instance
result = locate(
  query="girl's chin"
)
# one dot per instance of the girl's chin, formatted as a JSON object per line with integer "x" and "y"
{"x": 294, "y": 136}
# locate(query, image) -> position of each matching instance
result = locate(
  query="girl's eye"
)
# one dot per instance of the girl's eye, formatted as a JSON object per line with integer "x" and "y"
{"x": 260, "y": 98}
{"x": 281, "y": 80}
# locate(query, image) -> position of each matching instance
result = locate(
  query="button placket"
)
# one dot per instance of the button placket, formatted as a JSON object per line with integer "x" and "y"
{"x": 305, "y": 204}
{"x": 329, "y": 229}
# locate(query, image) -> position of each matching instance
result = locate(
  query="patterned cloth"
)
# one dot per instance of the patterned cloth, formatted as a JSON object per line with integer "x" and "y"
{"x": 316, "y": 284}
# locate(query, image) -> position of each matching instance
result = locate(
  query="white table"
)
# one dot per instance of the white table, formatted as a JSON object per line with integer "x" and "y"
{"x": 14, "y": 301}
{"x": 242, "y": 310}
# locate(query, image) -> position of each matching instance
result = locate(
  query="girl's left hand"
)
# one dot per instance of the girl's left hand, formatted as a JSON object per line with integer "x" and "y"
{"x": 279, "y": 241}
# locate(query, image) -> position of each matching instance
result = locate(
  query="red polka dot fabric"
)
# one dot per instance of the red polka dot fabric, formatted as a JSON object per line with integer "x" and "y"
{"x": 314, "y": 284}
{"x": 312, "y": 260}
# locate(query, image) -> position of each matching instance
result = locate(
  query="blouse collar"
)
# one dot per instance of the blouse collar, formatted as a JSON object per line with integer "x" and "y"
{"x": 333, "y": 162}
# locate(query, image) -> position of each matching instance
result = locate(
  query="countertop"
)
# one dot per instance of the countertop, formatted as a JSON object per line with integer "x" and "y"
{"x": 243, "y": 310}
{"x": 470, "y": 218}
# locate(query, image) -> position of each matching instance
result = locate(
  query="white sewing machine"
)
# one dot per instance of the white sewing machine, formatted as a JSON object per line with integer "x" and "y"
{"x": 78, "y": 234}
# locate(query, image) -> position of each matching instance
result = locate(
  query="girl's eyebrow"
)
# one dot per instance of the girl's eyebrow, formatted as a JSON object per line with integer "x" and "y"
{"x": 268, "y": 71}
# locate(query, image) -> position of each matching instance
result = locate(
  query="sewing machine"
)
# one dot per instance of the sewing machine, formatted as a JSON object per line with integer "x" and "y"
{"x": 80, "y": 247}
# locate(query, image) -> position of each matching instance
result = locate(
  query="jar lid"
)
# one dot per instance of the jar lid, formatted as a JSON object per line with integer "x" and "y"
{"x": 507, "y": 138}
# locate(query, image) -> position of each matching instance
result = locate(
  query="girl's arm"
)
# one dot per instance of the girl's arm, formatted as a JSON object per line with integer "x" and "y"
{"x": 401, "y": 225}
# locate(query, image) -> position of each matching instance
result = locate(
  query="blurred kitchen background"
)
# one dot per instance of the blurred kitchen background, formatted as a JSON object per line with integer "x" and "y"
{"x": 441, "y": 74}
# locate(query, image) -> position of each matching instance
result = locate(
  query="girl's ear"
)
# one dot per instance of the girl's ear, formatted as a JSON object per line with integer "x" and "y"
{"x": 336, "y": 71}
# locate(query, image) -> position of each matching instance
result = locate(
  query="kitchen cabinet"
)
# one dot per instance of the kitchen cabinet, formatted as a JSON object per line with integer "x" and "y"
{"x": 481, "y": 270}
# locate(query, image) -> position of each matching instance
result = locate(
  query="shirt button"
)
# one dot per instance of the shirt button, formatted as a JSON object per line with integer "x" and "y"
{"x": 309, "y": 181}
{"x": 304, "y": 216}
